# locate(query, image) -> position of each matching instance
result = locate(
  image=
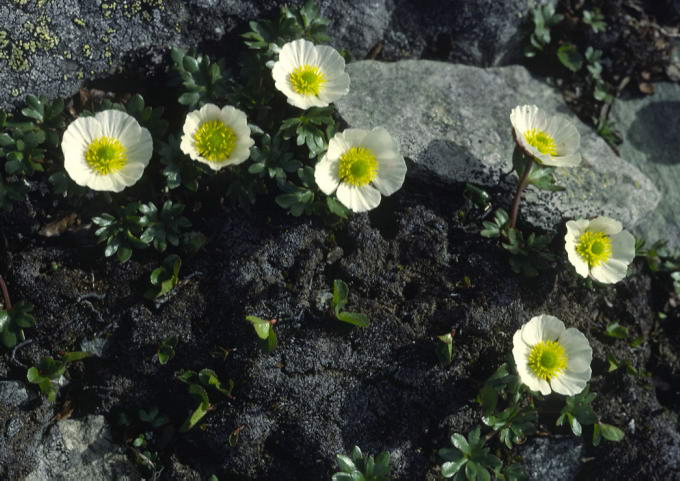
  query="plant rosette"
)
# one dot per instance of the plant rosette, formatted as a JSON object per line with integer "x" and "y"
{"x": 552, "y": 141}
{"x": 599, "y": 248}
{"x": 107, "y": 152}
{"x": 217, "y": 137}
{"x": 360, "y": 166}
{"x": 550, "y": 357}
{"x": 310, "y": 75}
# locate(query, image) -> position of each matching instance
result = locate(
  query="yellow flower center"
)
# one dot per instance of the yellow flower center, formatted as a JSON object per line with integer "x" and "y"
{"x": 106, "y": 155}
{"x": 542, "y": 141}
{"x": 594, "y": 248}
{"x": 358, "y": 166}
{"x": 547, "y": 359}
{"x": 307, "y": 80}
{"x": 215, "y": 141}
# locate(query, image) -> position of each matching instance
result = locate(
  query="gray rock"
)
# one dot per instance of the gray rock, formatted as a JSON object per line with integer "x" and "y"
{"x": 51, "y": 47}
{"x": 79, "y": 449}
{"x": 453, "y": 122}
{"x": 650, "y": 127}
{"x": 12, "y": 393}
{"x": 554, "y": 459}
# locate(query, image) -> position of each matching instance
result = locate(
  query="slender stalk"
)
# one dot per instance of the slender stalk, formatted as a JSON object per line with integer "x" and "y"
{"x": 5, "y": 294}
{"x": 523, "y": 182}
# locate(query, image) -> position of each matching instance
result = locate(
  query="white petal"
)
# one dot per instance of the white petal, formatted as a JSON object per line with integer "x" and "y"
{"x": 605, "y": 225}
{"x": 337, "y": 146}
{"x": 104, "y": 183}
{"x": 610, "y": 271}
{"x": 542, "y": 328}
{"x": 117, "y": 124}
{"x": 330, "y": 61}
{"x": 577, "y": 348}
{"x": 191, "y": 123}
{"x": 141, "y": 150}
{"x": 570, "y": 383}
{"x": 534, "y": 383}
{"x": 335, "y": 88}
{"x": 581, "y": 266}
{"x": 326, "y": 175}
{"x": 358, "y": 199}
{"x": 575, "y": 228}
{"x": 623, "y": 246}
{"x": 391, "y": 165}
{"x": 355, "y": 137}
{"x": 571, "y": 160}
{"x": 566, "y": 135}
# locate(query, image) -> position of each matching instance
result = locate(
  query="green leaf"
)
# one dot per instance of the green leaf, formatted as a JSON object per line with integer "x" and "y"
{"x": 340, "y": 295}
{"x": 262, "y": 326}
{"x": 32, "y": 113}
{"x": 6, "y": 140}
{"x": 33, "y": 375}
{"x": 360, "y": 320}
{"x": 451, "y": 468}
{"x": 570, "y": 57}
{"x": 190, "y": 64}
{"x": 135, "y": 105}
{"x": 345, "y": 463}
{"x": 75, "y": 356}
{"x": 459, "y": 441}
{"x": 9, "y": 338}
{"x": 201, "y": 410}
{"x": 189, "y": 99}
{"x": 597, "y": 436}
{"x": 444, "y": 348}
{"x": 543, "y": 177}
{"x": 611, "y": 433}
{"x": 335, "y": 207}
{"x": 617, "y": 331}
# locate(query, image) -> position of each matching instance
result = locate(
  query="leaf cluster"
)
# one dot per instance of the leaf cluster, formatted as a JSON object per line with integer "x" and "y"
{"x": 198, "y": 384}
{"x": 339, "y": 301}
{"x": 578, "y": 412}
{"x": 50, "y": 370}
{"x": 13, "y": 321}
{"x": 202, "y": 79}
{"x": 361, "y": 467}
{"x": 306, "y": 22}
{"x": 165, "y": 277}
{"x": 543, "y": 18}
{"x": 595, "y": 19}
{"x": 470, "y": 459}
{"x": 166, "y": 350}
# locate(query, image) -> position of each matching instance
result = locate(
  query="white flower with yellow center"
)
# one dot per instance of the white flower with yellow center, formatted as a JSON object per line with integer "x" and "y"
{"x": 108, "y": 151}
{"x": 310, "y": 75}
{"x": 217, "y": 137}
{"x": 550, "y": 357}
{"x": 599, "y": 248}
{"x": 552, "y": 141}
{"x": 361, "y": 165}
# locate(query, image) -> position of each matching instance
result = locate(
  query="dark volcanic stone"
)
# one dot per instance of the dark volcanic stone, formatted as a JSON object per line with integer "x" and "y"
{"x": 50, "y": 47}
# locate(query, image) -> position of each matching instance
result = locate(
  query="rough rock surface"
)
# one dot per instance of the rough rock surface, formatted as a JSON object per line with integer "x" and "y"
{"x": 51, "y": 47}
{"x": 650, "y": 127}
{"x": 81, "y": 449}
{"x": 453, "y": 121}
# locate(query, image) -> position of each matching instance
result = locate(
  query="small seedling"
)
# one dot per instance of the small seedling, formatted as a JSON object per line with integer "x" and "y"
{"x": 339, "y": 301}
{"x": 544, "y": 18}
{"x": 198, "y": 383}
{"x": 444, "y": 348}
{"x": 166, "y": 350}
{"x": 361, "y": 467}
{"x": 164, "y": 278}
{"x": 265, "y": 331}
{"x": 50, "y": 370}
{"x": 13, "y": 321}
{"x": 595, "y": 19}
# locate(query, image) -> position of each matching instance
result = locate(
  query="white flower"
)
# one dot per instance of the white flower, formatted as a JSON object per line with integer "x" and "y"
{"x": 361, "y": 165}
{"x": 310, "y": 75}
{"x": 550, "y": 357}
{"x": 217, "y": 137}
{"x": 106, "y": 152}
{"x": 550, "y": 141}
{"x": 599, "y": 248}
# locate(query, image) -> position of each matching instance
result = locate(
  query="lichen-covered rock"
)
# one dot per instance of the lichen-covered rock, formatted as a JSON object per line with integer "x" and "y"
{"x": 81, "y": 449}
{"x": 650, "y": 127}
{"x": 453, "y": 122}
{"x": 50, "y": 47}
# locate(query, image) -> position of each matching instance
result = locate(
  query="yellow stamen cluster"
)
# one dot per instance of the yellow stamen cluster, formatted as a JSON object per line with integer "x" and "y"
{"x": 106, "y": 155}
{"x": 594, "y": 248}
{"x": 358, "y": 166}
{"x": 215, "y": 141}
{"x": 307, "y": 80}
{"x": 547, "y": 359}
{"x": 542, "y": 141}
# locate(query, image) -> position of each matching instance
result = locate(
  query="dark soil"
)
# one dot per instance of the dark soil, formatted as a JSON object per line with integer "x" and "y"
{"x": 329, "y": 386}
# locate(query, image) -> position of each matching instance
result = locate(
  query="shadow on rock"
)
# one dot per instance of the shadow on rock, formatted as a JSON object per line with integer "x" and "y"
{"x": 654, "y": 132}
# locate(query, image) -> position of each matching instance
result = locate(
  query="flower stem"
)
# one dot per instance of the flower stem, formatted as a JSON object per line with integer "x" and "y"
{"x": 523, "y": 182}
{"x": 5, "y": 294}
